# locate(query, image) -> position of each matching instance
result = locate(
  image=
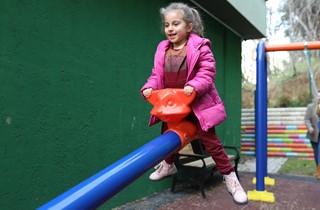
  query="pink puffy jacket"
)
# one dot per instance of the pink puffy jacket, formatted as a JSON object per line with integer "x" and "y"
{"x": 207, "y": 106}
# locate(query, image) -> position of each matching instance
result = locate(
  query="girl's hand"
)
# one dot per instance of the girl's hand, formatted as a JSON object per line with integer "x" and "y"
{"x": 188, "y": 90}
{"x": 310, "y": 130}
{"x": 147, "y": 92}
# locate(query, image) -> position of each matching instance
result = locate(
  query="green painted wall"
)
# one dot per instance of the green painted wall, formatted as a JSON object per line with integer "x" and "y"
{"x": 70, "y": 74}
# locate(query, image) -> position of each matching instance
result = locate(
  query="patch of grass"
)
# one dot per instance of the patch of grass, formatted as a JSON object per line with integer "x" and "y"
{"x": 296, "y": 166}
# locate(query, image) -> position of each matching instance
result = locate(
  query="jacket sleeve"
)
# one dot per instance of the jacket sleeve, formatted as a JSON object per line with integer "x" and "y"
{"x": 307, "y": 116}
{"x": 206, "y": 71}
{"x": 152, "y": 81}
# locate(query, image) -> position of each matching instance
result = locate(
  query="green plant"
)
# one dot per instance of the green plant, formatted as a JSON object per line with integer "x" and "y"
{"x": 283, "y": 101}
{"x": 284, "y": 88}
{"x": 304, "y": 98}
{"x": 296, "y": 103}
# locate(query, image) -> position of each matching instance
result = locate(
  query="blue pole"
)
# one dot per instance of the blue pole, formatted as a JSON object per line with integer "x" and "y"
{"x": 97, "y": 189}
{"x": 261, "y": 118}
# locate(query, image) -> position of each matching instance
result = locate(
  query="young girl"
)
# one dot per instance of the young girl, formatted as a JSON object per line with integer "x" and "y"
{"x": 185, "y": 61}
{"x": 312, "y": 121}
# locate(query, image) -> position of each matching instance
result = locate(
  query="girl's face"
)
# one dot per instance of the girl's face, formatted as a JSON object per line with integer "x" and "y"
{"x": 176, "y": 29}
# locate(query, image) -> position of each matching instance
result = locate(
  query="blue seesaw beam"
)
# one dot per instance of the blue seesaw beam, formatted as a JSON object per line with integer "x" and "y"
{"x": 97, "y": 189}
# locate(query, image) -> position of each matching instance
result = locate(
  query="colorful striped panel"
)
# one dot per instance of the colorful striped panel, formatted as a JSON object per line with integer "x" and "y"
{"x": 285, "y": 149}
{"x": 276, "y": 135}
{"x": 282, "y": 140}
{"x": 280, "y": 154}
{"x": 279, "y": 140}
{"x": 290, "y": 145}
{"x": 279, "y": 131}
{"x": 276, "y": 127}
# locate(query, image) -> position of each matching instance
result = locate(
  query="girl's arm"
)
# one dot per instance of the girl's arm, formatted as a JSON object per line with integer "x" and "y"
{"x": 150, "y": 85}
{"x": 206, "y": 71}
{"x": 307, "y": 117}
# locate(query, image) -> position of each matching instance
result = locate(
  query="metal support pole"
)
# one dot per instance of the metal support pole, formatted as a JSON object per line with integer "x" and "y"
{"x": 261, "y": 118}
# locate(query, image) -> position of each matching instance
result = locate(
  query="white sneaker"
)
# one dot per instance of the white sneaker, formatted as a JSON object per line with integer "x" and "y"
{"x": 163, "y": 170}
{"x": 235, "y": 189}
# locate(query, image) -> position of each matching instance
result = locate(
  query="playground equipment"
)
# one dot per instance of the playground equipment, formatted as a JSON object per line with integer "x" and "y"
{"x": 171, "y": 106}
{"x": 261, "y": 115}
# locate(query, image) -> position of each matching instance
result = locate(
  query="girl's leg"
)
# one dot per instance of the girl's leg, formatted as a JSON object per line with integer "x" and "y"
{"x": 166, "y": 168}
{"x": 318, "y": 153}
{"x": 317, "y": 158}
{"x": 315, "y": 147}
{"x": 214, "y": 148}
{"x": 170, "y": 158}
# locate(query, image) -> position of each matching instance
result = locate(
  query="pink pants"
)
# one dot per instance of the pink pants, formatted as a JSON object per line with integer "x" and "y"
{"x": 212, "y": 145}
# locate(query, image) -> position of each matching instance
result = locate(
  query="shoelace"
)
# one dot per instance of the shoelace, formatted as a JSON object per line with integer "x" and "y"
{"x": 158, "y": 167}
{"x": 234, "y": 185}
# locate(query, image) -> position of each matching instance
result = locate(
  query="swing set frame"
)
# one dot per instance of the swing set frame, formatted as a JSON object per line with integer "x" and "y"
{"x": 260, "y": 193}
